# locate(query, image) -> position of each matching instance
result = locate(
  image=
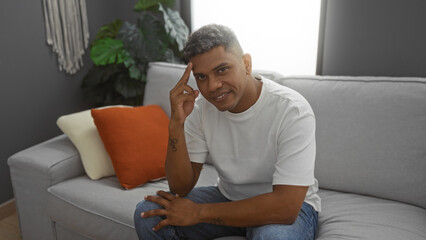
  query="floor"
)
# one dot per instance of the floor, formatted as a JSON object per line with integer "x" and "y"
{"x": 9, "y": 228}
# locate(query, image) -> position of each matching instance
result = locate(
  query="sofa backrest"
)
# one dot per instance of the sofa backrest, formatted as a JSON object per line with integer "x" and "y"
{"x": 371, "y": 131}
{"x": 161, "y": 78}
{"x": 371, "y": 134}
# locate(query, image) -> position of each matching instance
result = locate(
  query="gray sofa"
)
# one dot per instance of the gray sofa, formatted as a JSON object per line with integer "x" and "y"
{"x": 371, "y": 165}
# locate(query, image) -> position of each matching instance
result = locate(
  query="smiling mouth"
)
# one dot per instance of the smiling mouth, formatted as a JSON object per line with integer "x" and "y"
{"x": 221, "y": 97}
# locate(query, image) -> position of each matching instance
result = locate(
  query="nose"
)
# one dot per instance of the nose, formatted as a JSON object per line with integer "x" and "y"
{"x": 214, "y": 84}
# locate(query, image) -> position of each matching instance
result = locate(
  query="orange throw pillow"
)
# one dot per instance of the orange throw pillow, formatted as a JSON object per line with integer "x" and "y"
{"x": 136, "y": 140}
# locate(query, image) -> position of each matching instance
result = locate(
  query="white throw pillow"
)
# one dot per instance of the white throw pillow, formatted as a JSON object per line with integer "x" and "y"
{"x": 81, "y": 130}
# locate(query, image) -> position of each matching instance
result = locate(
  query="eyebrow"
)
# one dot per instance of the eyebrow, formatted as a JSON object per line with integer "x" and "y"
{"x": 214, "y": 69}
{"x": 219, "y": 66}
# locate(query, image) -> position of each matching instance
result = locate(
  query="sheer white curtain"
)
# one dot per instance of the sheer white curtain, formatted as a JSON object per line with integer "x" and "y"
{"x": 280, "y": 35}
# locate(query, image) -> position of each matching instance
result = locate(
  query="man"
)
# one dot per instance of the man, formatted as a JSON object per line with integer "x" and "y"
{"x": 260, "y": 137}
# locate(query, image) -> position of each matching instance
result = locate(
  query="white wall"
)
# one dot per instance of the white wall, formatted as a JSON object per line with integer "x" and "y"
{"x": 280, "y": 35}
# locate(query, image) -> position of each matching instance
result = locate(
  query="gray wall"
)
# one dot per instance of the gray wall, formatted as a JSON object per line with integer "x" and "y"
{"x": 374, "y": 37}
{"x": 33, "y": 93}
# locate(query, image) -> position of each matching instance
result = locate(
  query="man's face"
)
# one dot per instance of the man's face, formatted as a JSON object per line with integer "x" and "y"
{"x": 222, "y": 79}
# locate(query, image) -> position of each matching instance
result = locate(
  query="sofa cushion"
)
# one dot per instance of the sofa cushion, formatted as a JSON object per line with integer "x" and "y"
{"x": 136, "y": 140}
{"x": 83, "y": 205}
{"x": 81, "y": 130}
{"x": 352, "y": 216}
{"x": 371, "y": 134}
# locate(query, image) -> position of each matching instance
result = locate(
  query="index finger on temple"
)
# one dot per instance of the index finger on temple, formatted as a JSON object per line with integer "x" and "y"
{"x": 187, "y": 73}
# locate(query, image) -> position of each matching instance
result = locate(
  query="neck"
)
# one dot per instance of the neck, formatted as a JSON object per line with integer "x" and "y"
{"x": 252, "y": 93}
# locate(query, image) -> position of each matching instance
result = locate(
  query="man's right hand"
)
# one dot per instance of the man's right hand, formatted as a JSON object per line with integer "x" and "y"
{"x": 181, "y": 174}
{"x": 182, "y": 98}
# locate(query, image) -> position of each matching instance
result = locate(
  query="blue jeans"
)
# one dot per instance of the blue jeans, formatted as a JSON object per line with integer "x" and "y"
{"x": 305, "y": 226}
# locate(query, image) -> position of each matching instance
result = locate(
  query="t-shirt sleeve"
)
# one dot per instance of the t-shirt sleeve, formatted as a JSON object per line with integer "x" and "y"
{"x": 296, "y": 149}
{"x": 194, "y": 136}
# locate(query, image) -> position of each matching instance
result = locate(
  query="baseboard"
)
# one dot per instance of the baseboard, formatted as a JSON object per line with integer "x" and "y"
{"x": 8, "y": 208}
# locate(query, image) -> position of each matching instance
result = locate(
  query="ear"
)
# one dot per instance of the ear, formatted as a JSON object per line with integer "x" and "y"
{"x": 247, "y": 63}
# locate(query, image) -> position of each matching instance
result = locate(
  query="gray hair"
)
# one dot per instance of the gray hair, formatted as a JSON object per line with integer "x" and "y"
{"x": 209, "y": 37}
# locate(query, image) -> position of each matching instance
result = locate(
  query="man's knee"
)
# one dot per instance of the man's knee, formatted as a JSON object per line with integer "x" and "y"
{"x": 144, "y": 206}
{"x": 142, "y": 225}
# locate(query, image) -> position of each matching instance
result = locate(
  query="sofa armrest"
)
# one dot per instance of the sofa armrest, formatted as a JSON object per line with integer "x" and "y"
{"x": 33, "y": 171}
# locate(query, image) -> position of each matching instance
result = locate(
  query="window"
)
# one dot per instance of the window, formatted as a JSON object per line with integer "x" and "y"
{"x": 280, "y": 35}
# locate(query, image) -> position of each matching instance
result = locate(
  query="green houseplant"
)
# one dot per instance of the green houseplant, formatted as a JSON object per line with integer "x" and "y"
{"x": 121, "y": 52}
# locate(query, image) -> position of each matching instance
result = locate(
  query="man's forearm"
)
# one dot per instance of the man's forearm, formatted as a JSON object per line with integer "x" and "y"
{"x": 178, "y": 166}
{"x": 270, "y": 208}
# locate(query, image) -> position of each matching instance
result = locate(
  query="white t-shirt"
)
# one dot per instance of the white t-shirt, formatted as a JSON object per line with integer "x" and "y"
{"x": 271, "y": 143}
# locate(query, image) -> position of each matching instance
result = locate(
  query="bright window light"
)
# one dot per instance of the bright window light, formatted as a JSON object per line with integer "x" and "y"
{"x": 280, "y": 35}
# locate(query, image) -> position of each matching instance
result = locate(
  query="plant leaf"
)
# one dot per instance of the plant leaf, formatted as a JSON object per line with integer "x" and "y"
{"x": 175, "y": 26}
{"x": 134, "y": 71}
{"x": 95, "y": 76}
{"x": 111, "y": 84}
{"x": 145, "y": 42}
{"x": 107, "y": 51}
{"x": 98, "y": 84}
{"x": 143, "y": 5}
{"x": 169, "y": 56}
{"x": 128, "y": 87}
{"x": 154, "y": 34}
{"x": 133, "y": 39}
{"x": 109, "y": 30}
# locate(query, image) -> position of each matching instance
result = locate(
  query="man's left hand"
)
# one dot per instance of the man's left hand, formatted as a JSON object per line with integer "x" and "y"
{"x": 178, "y": 211}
